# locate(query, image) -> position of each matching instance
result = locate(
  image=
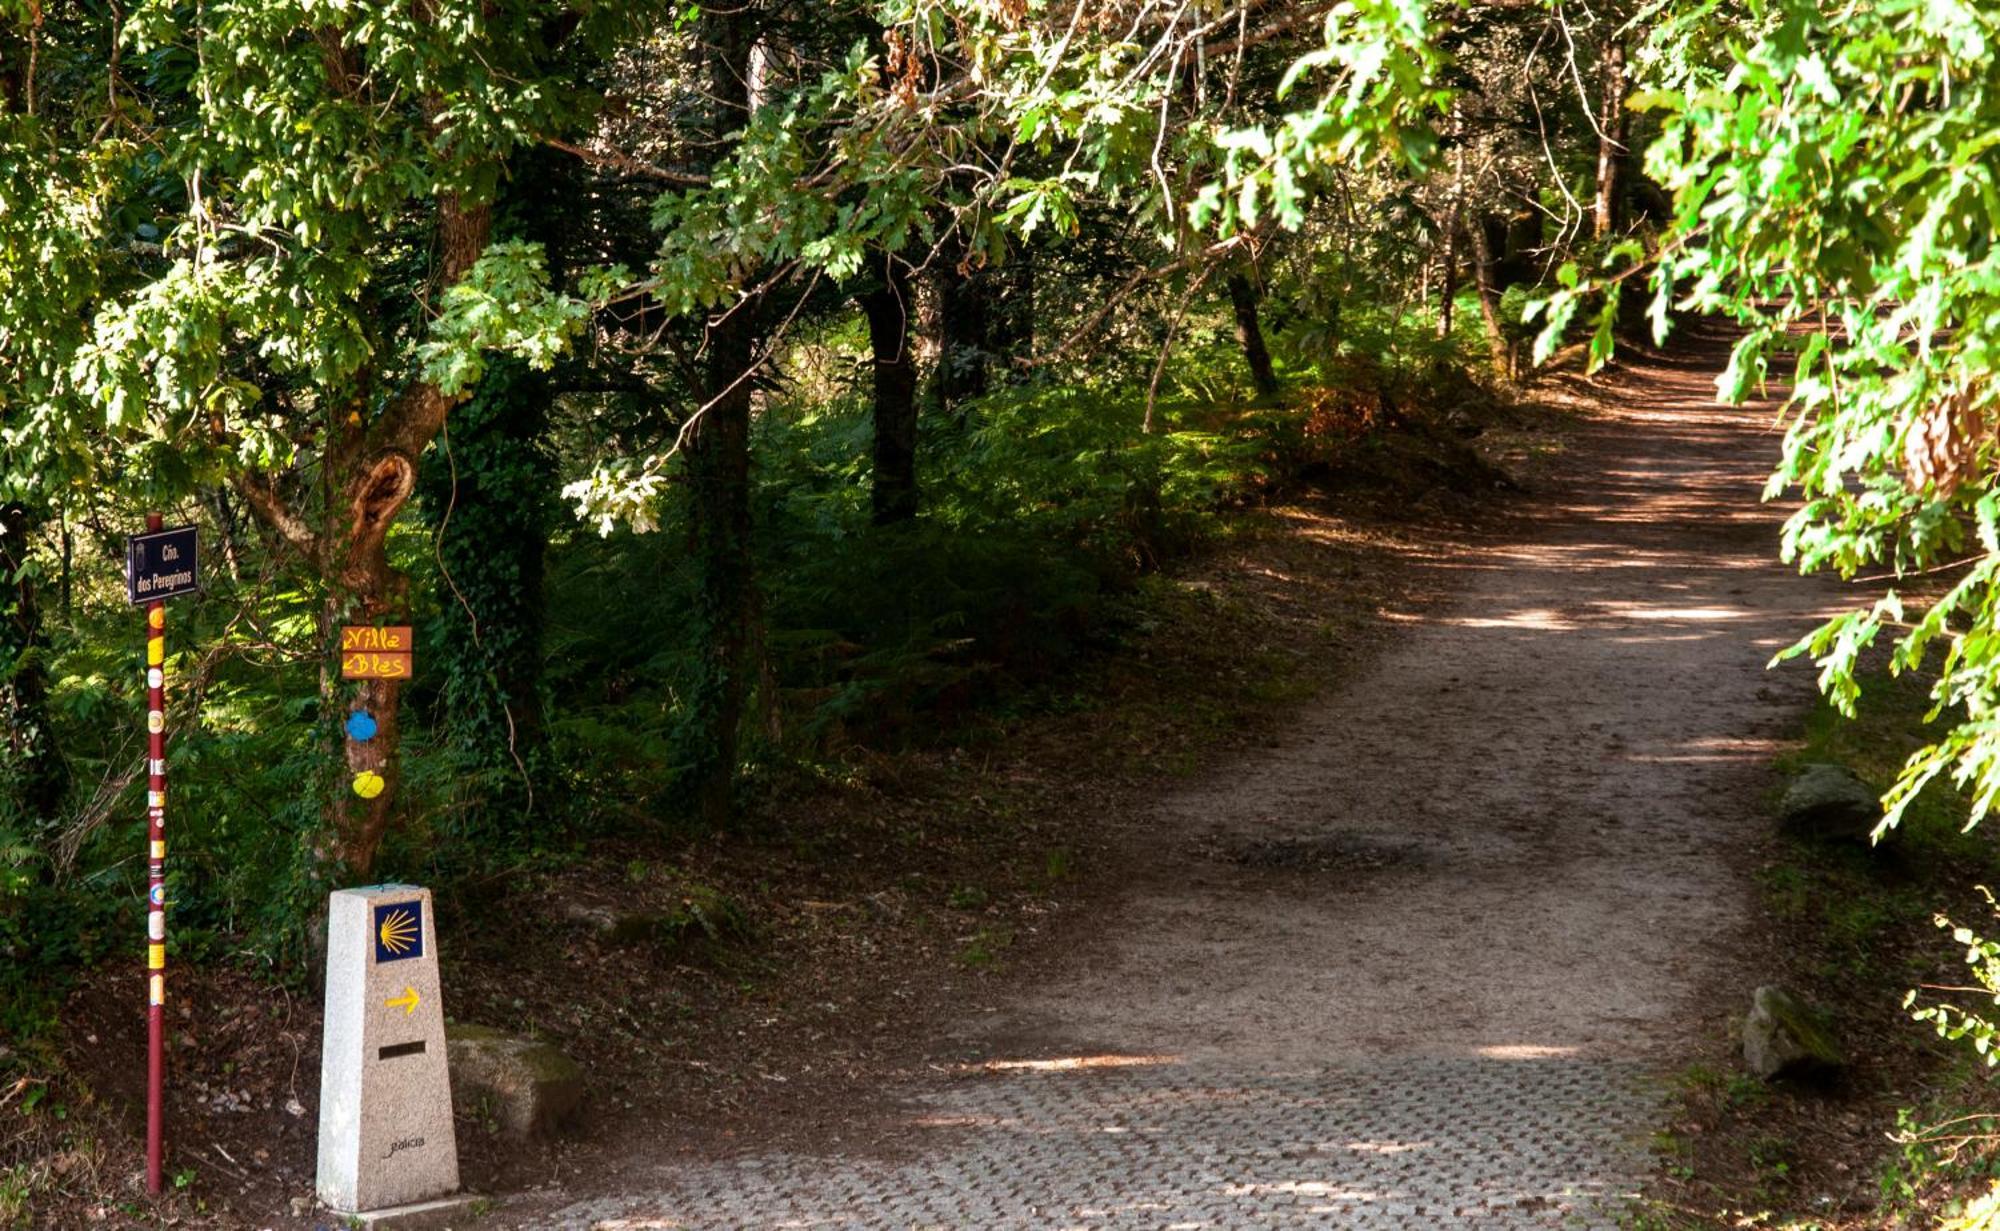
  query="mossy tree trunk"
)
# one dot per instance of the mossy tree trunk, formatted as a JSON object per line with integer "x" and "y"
{"x": 490, "y": 493}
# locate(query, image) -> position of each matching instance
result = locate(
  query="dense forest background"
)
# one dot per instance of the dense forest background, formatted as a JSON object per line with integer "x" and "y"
{"x": 724, "y": 392}
{"x": 712, "y": 390}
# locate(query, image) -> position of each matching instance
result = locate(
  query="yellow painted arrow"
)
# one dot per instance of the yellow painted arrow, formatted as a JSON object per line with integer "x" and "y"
{"x": 409, "y": 1000}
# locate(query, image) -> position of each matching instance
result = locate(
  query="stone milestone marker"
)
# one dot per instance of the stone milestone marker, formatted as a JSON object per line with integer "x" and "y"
{"x": 385, "y": 1130}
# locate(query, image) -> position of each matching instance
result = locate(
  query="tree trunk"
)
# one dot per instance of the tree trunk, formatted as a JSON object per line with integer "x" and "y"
{"x": 889, "y": 308}
{"x": 1611, "y": 140}
{"x": 1489, "y": 300}
{"x": 719, "y": 483}
{"x": 379, "y": 466}
{"x": 1523, "y": 257}
{"x": 718, "y": 471}
{"x": 489, "y": 493}
{"x": 1243, "y": 297}
{"x": 366, "y": 590}
{"x": 963, "y": 312}
{"x": 368, "y": 474}
{"x": 1449, "y": 279}
{"x": 33, "y": 772}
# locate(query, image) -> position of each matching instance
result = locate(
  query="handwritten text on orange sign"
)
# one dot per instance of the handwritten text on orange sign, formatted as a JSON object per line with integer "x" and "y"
{"x": 370, "y": 666}
{"x": 394, "y": 639}
{"x": 371, "y": 653}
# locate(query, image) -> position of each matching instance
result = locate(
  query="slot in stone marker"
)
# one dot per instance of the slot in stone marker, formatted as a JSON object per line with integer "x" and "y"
{"x": 385, "y": 1131}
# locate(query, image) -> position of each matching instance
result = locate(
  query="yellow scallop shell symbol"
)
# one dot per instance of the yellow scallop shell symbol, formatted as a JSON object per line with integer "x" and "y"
{"x": 398, "y": 932}
{"x": 368, "y": 784}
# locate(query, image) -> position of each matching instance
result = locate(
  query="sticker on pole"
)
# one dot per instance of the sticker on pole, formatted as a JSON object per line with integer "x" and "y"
{"x": 399, "y": 931}
{"x": 161, "y": 565}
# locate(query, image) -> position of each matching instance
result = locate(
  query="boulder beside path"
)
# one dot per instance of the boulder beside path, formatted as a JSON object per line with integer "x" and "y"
{"x": 1784, "y": 1038}
{"x": 529, "y": 1087}
{"x": 1830, "y": 803}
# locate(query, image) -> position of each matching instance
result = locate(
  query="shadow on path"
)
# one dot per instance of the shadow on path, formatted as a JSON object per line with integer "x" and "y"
{"x": 1412, "y": 967}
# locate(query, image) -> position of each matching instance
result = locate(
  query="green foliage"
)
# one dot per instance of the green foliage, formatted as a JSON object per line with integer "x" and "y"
{"x": 764, "y": 205}
{"x": 1041, "y": 507}
{"x": 502, "y": 305}
{"x": 1956, "y": 1022}
{"x": 1944, "y": 1157}
{"x": 244, "y": 225}
{"x": 488, "y": 492}
{"x": 1850, "y": 233}
{"x": 1072, "y": 464}
{"x": 1982, "y": 1214}
{"x": 1382, "y": 98}
{"x": 43, "y": 932}
{"x": 242, "y": 246}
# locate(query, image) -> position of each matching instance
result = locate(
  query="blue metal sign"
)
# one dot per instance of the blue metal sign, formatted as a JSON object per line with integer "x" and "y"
{"x": 399, "y": 931}
{"x": 161, "y": 565}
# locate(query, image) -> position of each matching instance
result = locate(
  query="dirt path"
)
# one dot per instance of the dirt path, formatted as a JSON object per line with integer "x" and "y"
{"x": 1413, "y": 967}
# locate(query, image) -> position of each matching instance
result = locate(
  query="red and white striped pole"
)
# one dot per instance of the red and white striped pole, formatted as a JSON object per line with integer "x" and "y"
{"x": 156, "y": 880}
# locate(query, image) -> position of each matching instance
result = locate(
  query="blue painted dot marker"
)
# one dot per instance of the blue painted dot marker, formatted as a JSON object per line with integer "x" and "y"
{"x": 361, "y": 726}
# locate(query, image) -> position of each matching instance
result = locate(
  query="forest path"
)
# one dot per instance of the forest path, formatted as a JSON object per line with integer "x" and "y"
{"x": 1418, "y": 965}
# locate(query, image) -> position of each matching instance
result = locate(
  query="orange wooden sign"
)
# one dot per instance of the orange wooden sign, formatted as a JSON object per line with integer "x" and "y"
{"x": 368, "y": 652}
{"x": 395, "y": 639}
{"x": 369, "y": 665}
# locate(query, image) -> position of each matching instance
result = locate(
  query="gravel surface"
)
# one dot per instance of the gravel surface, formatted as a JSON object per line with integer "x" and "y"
{"x": 1421, "y": 964}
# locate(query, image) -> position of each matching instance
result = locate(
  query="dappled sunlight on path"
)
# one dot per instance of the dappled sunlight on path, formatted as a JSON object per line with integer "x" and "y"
{"x": 1206, "y": 1145}
{"x": 1415, "y": 966}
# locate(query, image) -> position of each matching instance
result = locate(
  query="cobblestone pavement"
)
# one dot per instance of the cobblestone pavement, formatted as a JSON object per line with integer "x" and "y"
{"x": 1405, "y": 1143}
{"x": 1412, "y": 967}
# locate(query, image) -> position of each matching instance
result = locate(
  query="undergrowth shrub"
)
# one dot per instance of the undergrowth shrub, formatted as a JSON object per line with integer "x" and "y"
{"x": 1041, "y": 506}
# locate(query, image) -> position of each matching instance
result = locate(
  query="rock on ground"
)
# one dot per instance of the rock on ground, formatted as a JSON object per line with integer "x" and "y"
{"x": 1783, "y": 1038}
{"x": 529, "y": 1087}
{"x": 1829, "y": 803}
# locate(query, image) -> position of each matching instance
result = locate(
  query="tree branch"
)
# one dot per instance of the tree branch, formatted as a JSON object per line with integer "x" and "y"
{"x": 260, "y": 492}
{"x": 415, "y": 415}
{"x": 621, "y": 161}
{"x": 1091, "y": 322}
